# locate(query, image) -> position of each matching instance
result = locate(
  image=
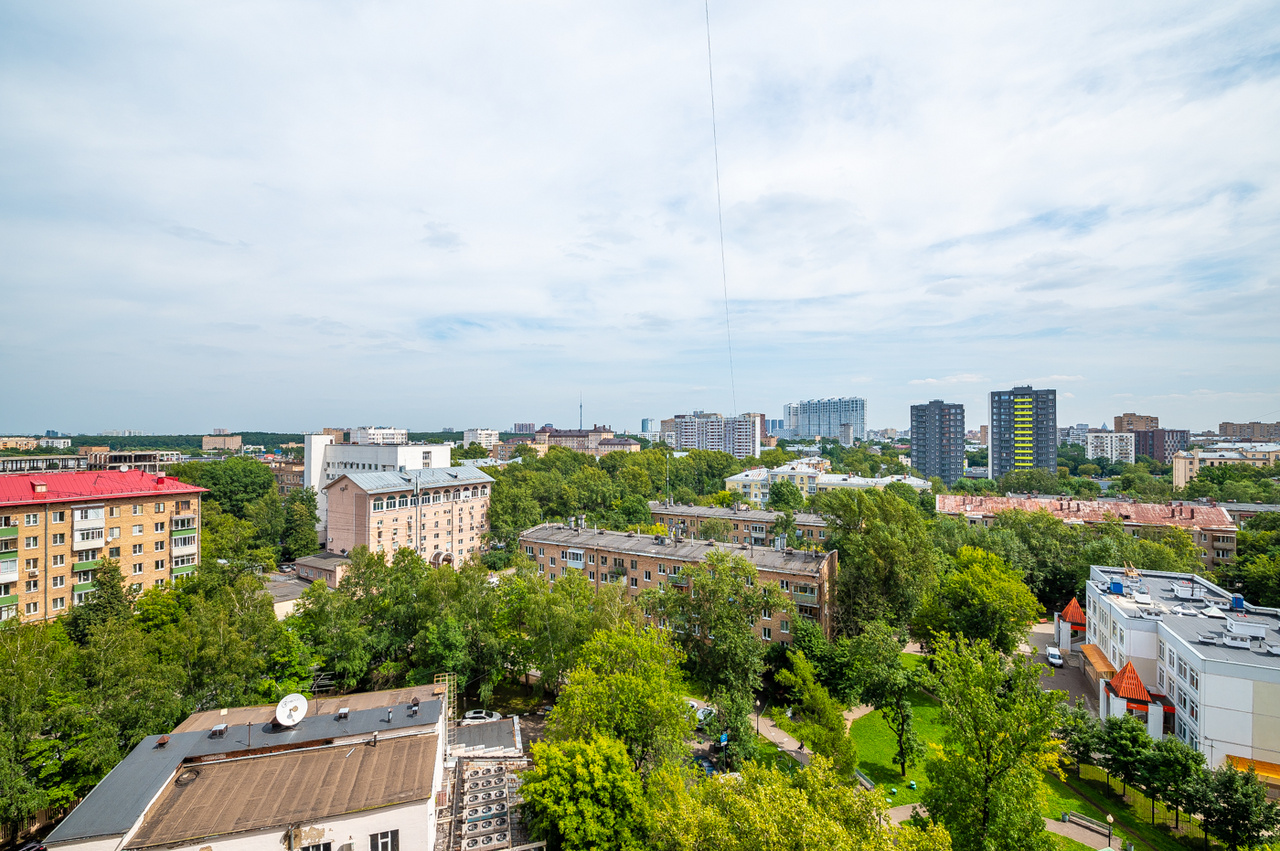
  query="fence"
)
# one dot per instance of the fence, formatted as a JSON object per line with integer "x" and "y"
{"x": 1139, "y": 805}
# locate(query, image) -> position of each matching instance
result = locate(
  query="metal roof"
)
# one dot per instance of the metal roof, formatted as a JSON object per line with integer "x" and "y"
{"x": 1187, "y": 516}
{"x": 20, "y": 489}
{"x": 434, "y": 477}
{"x": 750, "y": 514}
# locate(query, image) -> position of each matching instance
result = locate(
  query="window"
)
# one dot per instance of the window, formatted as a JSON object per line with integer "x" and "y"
{"x": 766, "y": 615}
{"x": 58, "y": 517}
{"x": 31, "y": 520}
{"x": 137, "y": 549}
{"x": 137, "y": 509}
{"x": 160, "y": 527}
{"x": 634, "y": 582}
{"x": 113, "y": 552}
{"x": 32, "y": 586}
{"x": 113, "y": 511}
{"x": 528, "y": 551}
{"x": 766, "y": 634}
{"x": 784, "y": 627}
{"x": 160, "y": 564}
{"x": 1182, "y": 669}
{"x": 57, "y": 581}
{"x": 32, "y": 542}
{"x": 784, "y": 584}
{"x": 137, "y": 567}
{"x": 33, "y": 608}
{"x": 541, "y": 551}
{"x": 113, "y": 532}
{"x": 32, "y": 563}
{"x": 58, "y": 603}
{"x": 137, "y": 529}
{"x": 662, "y": 569}
{"x": 648, "y": 576}
{"x": 1193, "y": 679}
{"x": 159, "y": 546}
{"x": 388, "y": 840}
{"x": 591, "y": 559}
{"x": 322, "y": 846}
{"x": 1160, "y": 677}
{"x": 633, "y": 564}
{"x": 159, "y": 508}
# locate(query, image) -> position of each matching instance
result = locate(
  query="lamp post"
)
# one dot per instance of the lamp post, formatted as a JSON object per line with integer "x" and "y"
{"x": 1110, "y": 820}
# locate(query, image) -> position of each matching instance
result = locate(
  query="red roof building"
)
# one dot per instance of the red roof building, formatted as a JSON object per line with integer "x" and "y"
{"x": 1073, "y": 614}
{"x": 1128, "y": 684}
{"x": 40, "y": 488}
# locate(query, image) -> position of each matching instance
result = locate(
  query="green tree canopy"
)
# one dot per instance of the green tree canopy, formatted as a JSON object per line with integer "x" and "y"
{"x": 585, "y": 795}
{"x": 981, "y": 599}
{"x": 783, "y": 496}
{"x": 816, "y": 719}
{"x": 1234, "y": 807}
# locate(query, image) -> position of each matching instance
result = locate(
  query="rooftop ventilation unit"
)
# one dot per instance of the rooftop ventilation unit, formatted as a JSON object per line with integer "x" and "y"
{"x": 162, "y": 741}
{"x": 344, "y": 713}
{"x": 1240, "y": 642}
{"x": 1207, "y": 638}
{"x": 218, "y": 732}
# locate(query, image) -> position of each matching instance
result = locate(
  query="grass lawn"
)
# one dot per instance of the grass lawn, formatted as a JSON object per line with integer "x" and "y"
{"x": 876, "y": 747}
{"x": 1064, "y": 843}
{"x": 771, "y": 754}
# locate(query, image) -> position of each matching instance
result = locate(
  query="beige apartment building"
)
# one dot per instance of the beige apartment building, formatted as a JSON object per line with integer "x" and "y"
{"x": 1186, "y": 465}
{"x": 640, "y": 562}
{"x": 24, "y": 444}
{"x": 1250, "y": 431}
{"x": 290, "y": 475}
{"x": 748, "y": 525}
{"x": 598, "y": 440}
{"x": 441, "y": 513}
{"x": 220, "y": 443}
{"x": 55, "y": 529}
{"x": 1127, "y": 423}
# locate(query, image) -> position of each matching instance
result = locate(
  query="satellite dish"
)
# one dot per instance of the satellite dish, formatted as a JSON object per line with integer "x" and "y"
{"x": 290, "y": 710}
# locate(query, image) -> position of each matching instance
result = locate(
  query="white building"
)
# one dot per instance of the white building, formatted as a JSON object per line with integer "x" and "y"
{"x": 486, "y": 437}
{"x": 1112, "y": 445}
{"x": 810, "y": 476}
{"x": 739, "y": 436}
{"x": 324, "y": 461}
{"x": 55, "y": 442}
{"x": 1078, "y": 434}
{"x": 823, "y": 417}
{"x": 379, "y": 436}
{"x": 1207, "y": 661}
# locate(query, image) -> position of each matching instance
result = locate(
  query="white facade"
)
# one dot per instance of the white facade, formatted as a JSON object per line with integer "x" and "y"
{"x": 739, "y": 436}
{"x": 486, "y": 437}
{"x": 379, "y": 436}
{"x": 324, "y": 461}
{"x": 1217, "y": 660}
{"x": 823, "y": 417}
{"x": 55, "y": 442}
{"x": 1114, "y": 446}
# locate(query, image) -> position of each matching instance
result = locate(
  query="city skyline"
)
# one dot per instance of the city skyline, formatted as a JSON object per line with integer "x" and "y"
{"x": 253, "y": 216}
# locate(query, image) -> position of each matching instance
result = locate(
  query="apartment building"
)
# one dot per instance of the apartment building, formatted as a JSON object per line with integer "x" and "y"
{"x": 748, "y": 525}
{"x": 42, "y": 463}
{"x": 440, "y": 513}
{"x": 1024, "y": 431}
{"x": 22, "y": 444}
{"x": 1209, "y": 526}
{"x": 148, "y": 460}
{"x": 1186, "y": 465}
{"x": 754, "y": 484}
{"x": 523, "y": 428}
{"x": 1077, "y": 434}
{"x": 290, "y": 475}
{"x": 54, "y": 442}
{"x": 598, "y": 440}
{"x": 937, "y": 440}
{"x": 221, "y": 443}
{"x": 1135, "y": 422}
{"x": 486, "y": 437}
{"x": 815, "y": 418}
{"x": 1160, "y": 444}
{"x": 55, "y": 529}
{"x": 640, "y": 562}
{"x": 739, "y": 436}
{"x": 1190, "y": 659}
{"x": 1250, "y": 431}
{"x": 325, "y": 459}
{"x": 1114, "y": 446}
{"x": 380, "y": 436}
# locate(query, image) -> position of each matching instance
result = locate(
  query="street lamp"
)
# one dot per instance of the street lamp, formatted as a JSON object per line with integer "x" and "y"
{"x": 1110, "y": 820}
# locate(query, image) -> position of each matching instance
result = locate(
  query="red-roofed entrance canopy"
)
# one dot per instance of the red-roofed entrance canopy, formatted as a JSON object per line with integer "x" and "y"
{"x": 1073, "y": 614}
{"x": 1128, "y": 684}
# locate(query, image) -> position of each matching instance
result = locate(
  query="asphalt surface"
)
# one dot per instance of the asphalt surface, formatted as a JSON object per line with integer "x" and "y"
{"x": 1071, "y": 678}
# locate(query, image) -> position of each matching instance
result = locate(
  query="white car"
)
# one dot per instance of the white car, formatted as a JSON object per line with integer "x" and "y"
{"x": 1054, "y": 657}
{"x": 478, "y": 716}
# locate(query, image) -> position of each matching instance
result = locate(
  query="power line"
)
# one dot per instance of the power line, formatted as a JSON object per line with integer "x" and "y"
{"x": 715, "y": 146}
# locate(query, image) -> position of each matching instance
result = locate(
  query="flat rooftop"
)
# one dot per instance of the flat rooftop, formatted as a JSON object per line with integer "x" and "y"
{"x": 1187, "y": 516}
{"x": 752, "y": 515}
{"x": 1197, "y": 611}
{"x": 764, "y": 558}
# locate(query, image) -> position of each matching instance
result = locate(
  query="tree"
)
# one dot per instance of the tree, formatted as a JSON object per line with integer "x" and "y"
{"x": 784, "y": 527}
{"x": 300, "y": 519}
{"x": 1169, "y": 770}
{"x": 715, "y": 529}
{"x": 233, "y": 483}
{"x": 1081, "y": 734}
{"x": 982, "y": 599}
{"x": 816, "y": 719}
{"x": 1125, "y": 743}
{"x": 109, "y": 601}
{"x": 1234, "y": 807}
{"x": 714, "y": 619}
{"x": 888, "y": 685}
{"x": 267, "y": 514}
{"x": 887, "y": 560}
{"x": 471, "y": 451}
{"x": 585, "y": 795}
{"x": 627, "y": 686}
{"x": 733, "y": 718}
{"x": 784, "y": 496}
{"x": 986, "y": 783}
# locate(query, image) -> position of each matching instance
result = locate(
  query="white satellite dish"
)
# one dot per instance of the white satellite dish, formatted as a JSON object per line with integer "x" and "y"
{"x": 291, "y": 709}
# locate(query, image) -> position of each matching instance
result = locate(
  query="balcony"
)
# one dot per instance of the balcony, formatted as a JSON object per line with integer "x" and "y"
{"x": 8, "y": 531}
{"x": 805, "y": 599}
{"x": 617, "y": 571}
{"x": 680, "y": 581}
{"x": 83, "y": 586}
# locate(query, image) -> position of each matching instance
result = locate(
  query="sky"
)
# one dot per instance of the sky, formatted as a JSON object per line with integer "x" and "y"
{"x": 285, "y": 216}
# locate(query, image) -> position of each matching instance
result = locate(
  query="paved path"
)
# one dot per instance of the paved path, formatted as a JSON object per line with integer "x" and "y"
{"x": 1071, "y": 830}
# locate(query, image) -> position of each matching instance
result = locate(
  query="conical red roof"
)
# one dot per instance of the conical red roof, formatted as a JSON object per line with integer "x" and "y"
{"x": 1073, "y": 613}
{"x": 1129, "y": 685}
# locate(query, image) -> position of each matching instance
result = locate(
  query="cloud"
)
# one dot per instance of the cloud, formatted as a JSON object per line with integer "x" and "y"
{"x": 966, "y": 378}
{"x": 439, "y": 235}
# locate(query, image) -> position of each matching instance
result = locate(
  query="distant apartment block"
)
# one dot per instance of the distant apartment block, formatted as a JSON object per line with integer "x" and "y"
{"x": 523, "y": 428}
{"x": 598, "y": 440}
{"x": 221, "y": 443}
{"x": 486, "y": 437}
{"x": 147, "y": 460}
{"x": 739, "y": 436}
{"x": 324, "y": 460}
{"x": 816, "y": 418}
{"x": 1117, "y": 447}
{"x": 1209, "y": 526}
{"x": 43, "y": 463}
{"x": 442, "y": 514}
{"x": 1186, "y": 465}
{"x": 380, "y": 436}
{"x": 55, "y": 442}
{"x": 1136, "y": 422}
{"x": 22, "y": 444}
{"x": 648, "y": 424}
{"x": 290, "y": 475}
{"x": 810, "y": 476}
{"x": 937, "y": 440}
{"x": 641, "y": 562}
{"x": 1250, "y": 431}
{"x": 1077, "y": 434}
{"x": 55, "y": 529}
{"x": 1024, "y": 431}
{"x": 747, "y": 525}
{"x": 1160, "y": 444}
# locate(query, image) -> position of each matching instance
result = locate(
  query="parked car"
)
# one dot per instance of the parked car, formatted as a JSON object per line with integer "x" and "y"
{"x": 693, "y": 704}
{"x": 478, "y": 715}
{"x": 1054, "y": 656}
{"x": 704, "y": 715}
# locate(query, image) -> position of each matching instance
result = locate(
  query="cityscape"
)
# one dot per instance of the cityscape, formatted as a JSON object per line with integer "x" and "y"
{"x": 640, "y": 427}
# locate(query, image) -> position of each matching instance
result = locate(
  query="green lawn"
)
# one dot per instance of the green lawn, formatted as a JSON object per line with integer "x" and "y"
{"x": 771, "y": 754}
{"x": 876, "y": 747}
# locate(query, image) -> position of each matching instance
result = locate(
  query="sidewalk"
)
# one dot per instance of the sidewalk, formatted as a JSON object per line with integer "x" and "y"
{"x": 1071, "y": 830}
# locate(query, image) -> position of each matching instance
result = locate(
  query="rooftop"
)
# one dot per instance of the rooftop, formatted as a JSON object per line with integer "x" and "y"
{"x": 434, "y": 477}
{"x": 39, "y": 488}
{"x": 1092, "y": 511}
{"x": 740, "y": 513}
{"x": 764, "y": 558}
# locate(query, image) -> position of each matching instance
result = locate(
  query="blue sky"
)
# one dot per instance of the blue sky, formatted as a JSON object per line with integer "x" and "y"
{"x": 284, "y": 216}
